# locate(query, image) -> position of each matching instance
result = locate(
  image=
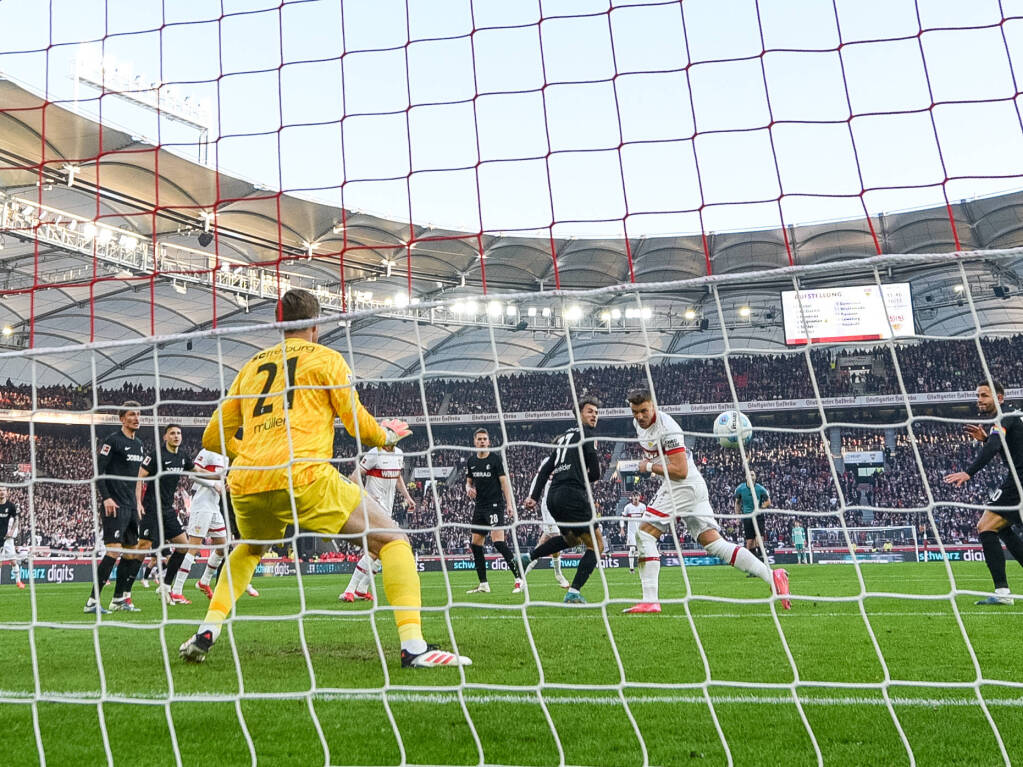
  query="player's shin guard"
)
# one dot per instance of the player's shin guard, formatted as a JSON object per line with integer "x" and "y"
{"x": 585, "y": 569}
{"x": 505, "y": 551}
{"x": 103, "y": 570}
{"x": 1012, "y": 542}
{"x": 401, "y": 585}
{"x": 649, "y": 565}
{"x": 240, "y": 567}
{"x": 481, "y": 562}
{"x": 740, "y": 558}
{"x": 994, "y": 557}
{"x": 183, "y": 572}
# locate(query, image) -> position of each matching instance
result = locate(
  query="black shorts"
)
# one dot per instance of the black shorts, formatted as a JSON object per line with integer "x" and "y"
{"x": 748, "y": 530}
{"x": 122, "y": 529}
{"x": 149, "y": 527}
{"x": 1006, "y": 497}
{"x": 570, "y": 509}
{"x": 486, "y": 518}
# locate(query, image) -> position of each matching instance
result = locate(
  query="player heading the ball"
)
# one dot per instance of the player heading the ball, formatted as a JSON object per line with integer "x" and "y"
{"x": 682, "y": 495}
{"x": 284, "y": 400}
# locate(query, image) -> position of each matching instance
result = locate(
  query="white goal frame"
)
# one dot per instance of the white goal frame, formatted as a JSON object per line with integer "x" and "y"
{"x": 849, "y": 531}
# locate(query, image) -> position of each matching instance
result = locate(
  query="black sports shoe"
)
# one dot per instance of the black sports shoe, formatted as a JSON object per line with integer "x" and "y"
{"x": 432, "y": 657}
{"x": 195, "y": 649}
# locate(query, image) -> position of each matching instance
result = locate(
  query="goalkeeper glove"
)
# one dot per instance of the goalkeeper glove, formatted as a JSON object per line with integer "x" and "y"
{"x": 396, "y": 431}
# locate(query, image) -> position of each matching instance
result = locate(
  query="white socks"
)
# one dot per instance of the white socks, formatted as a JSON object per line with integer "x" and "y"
{"x": 649, "y": 564}
{"x": 364, "y": 568}
{"x": 182, "y": 576}
{"x": 740, "y": 558}
{"x": 212, "y": 563}
{"x": 556, "y": 564}
{"x": 414, "y": 646}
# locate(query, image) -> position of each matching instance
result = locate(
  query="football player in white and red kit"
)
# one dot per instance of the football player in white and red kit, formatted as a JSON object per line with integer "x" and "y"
{"x": 682, "y": 495}
{"x": 629, "y": 525}
{"x": 206, "y": 520}
{"x": 381, "y": 473}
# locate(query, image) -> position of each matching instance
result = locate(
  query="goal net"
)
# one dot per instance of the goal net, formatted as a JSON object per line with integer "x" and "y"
{"x": 509, "y": 213}
{"x": 863, "y": 543}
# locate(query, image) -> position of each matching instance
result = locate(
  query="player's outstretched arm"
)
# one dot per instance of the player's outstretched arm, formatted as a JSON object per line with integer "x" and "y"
{"x": 357, "y": 421}
{"x": 958, "y": 478}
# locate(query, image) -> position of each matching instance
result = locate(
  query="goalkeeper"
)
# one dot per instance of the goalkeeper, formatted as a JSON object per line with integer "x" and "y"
{"x": 284, "y": 400}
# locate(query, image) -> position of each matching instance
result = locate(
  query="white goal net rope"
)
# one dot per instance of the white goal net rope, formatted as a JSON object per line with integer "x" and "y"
{"x": 486, "y": 199}
{"x": 439, "y": 528}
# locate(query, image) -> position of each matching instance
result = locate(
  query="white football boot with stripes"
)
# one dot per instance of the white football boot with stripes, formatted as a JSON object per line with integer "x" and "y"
{"x": 433, "y": 657}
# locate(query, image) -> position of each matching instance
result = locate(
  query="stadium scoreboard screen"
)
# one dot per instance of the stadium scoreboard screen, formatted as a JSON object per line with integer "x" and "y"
{"x": 853, "y": 313}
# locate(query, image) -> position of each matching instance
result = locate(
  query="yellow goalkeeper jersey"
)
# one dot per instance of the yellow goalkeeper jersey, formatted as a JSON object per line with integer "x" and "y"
{"x": 284, "y": 424}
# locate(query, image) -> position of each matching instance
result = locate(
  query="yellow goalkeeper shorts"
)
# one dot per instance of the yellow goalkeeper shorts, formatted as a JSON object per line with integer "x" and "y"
{"x": 322, "y": 506}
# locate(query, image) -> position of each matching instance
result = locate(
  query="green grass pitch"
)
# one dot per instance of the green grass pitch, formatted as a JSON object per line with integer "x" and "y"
{"x": 599, "y": 685}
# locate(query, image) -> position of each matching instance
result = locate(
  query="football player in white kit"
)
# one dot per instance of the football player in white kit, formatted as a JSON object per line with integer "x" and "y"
{"x": 206, "y": 520}
{"x": 380, "y": 471}
{"x": 682, "y": 495}
{"x": 548, "y": 529}
{"x": 629, "y": 525}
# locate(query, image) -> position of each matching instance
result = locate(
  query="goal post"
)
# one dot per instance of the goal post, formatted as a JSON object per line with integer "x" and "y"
{"x": 862, "y": 542}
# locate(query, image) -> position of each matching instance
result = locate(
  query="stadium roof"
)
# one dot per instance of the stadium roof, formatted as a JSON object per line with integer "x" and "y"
{"x": 66, "y": 296}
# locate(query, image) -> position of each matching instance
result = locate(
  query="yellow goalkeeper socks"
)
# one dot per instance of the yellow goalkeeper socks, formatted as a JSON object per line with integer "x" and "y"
{"x": 240, "y": 567}
{"x": 401, "y": 585}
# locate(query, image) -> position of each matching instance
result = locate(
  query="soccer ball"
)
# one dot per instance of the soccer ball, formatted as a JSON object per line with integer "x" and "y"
{"x": 732, "y": 426}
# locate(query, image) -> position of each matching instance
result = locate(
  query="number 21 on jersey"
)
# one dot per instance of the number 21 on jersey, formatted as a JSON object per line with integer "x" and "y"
{"x": 269, "y": 369}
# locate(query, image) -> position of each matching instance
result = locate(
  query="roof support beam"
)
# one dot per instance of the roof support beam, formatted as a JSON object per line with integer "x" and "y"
{"x": 433, "y": 351}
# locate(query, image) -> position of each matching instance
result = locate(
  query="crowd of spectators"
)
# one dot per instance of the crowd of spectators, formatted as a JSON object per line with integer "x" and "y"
{"x": 795, "y": 466}
{"x": 926, "y": 366}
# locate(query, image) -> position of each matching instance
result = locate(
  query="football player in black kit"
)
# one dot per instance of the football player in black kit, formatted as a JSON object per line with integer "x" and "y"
{"x": 9, "y": 529}
{"x": 120, "y": 454}
{"x": 995, "y": 525}
{"x": 571, "y": 467}
{"x": 487, "y": 483}
{"x": 159, "y": 521}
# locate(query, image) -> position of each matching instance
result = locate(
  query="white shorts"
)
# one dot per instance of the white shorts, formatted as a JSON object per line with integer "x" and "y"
{"x": 689, "y": 503}
{"x": 548, "y": 525}
{"x": 8, "y": 551}
{"x": 631, "y": 528}
{"x": 205, "y": 520}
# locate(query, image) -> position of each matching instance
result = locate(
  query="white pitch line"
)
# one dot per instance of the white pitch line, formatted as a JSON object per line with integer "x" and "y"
{"x": 588, "y": 700}
{"x": 575, "y": 614}
{"x": 782, "y": 615}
